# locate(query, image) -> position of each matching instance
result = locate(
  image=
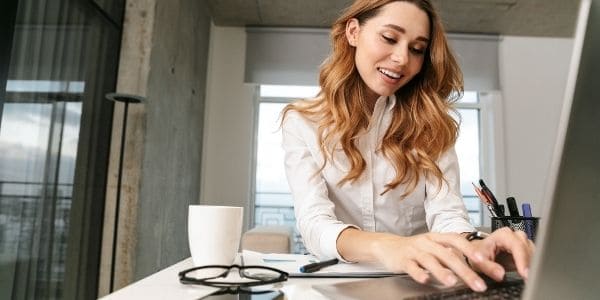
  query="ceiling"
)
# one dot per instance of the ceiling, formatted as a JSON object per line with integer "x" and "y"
{"x": 548, "y": 18}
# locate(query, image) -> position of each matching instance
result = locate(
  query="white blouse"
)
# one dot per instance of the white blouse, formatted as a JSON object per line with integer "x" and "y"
{"x": 323, "y": 209}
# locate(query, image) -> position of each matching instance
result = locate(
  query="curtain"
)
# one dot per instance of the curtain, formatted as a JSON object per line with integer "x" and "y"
{"x": 57, "y": 68}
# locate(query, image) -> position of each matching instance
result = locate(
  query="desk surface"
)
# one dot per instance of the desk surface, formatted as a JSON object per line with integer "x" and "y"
{"x": 165, "y": 285}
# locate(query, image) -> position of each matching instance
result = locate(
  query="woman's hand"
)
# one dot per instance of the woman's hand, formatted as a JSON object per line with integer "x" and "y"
{"x": 441, "y": 254}
{"x": 432, "y": 254}
{"x": 504, "y": 249}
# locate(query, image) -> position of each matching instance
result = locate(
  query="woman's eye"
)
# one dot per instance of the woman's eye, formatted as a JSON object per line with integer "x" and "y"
{"x": 389, "y": 39}
{"x": 417, "y": 50}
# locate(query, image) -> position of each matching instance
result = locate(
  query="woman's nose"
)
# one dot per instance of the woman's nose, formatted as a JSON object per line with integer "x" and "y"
{"x": 400, "y": 56}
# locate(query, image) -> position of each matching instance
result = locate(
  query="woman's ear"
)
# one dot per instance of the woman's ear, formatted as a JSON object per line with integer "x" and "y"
{"x": 352, "y": 30}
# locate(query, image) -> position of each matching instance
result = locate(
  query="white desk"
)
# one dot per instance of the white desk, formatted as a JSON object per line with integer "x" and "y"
{"x": 165, "y": 285}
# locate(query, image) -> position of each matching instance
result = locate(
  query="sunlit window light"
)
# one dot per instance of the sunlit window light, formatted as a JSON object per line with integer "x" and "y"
{"x": 289, "y": 91}
{"x": 469, "y": 97}
{"x": 44, "y": 86}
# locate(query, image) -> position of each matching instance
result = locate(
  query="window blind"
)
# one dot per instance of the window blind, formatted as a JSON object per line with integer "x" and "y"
{"x": 292, "y": 56}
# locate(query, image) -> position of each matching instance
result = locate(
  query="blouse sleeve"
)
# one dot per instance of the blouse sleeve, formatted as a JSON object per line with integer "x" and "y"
{"x": 315, "y": 217}
{"x": 444, "y": 207}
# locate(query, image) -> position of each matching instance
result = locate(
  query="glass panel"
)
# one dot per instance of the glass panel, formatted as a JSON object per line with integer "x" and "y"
{"x": 58, "y": 66}
{"x": 270, "y": 179}
{"x": 474, "y": 208}
{"x": 273, "y": 201}
{"x": 112, "y": 8}
{"x": 36, "y": 205}
{"x": 288, "y": 91}
{"x": 467, "y": 149}
{"x": 469, "y": 97}
{"x": 475, "y": 218}
{"x": 468, "y": 152}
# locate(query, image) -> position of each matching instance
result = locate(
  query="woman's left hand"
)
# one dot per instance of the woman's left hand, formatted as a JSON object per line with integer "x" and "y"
{"x": 505, "y": 250}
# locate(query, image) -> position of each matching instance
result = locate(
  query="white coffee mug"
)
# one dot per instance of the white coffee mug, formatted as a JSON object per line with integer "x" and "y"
{"x": 214, "y": 233}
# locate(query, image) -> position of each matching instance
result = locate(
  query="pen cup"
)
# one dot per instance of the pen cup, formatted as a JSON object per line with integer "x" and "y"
{"x": 527, "y": 224}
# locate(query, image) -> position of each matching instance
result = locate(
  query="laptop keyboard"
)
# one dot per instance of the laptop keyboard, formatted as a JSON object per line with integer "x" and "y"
{"x": 497, "y": 290}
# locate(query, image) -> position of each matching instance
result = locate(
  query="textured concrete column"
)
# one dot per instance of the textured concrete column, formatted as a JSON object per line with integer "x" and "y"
{"x": 163, "y": 58}
{"x": 134, "y": 67}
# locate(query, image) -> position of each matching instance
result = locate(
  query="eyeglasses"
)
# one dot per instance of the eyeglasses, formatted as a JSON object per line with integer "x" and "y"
{"x": 247, "y": 276}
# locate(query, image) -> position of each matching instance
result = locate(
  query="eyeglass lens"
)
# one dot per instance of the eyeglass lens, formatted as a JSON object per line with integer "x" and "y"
{"x": 223, "y": 274}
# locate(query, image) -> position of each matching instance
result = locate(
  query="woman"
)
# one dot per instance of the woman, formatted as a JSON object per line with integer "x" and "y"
{"x": 371, "y": 161}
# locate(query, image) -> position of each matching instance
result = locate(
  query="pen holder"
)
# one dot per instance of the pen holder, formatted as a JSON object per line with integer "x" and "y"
{"x": 527, "y": 224}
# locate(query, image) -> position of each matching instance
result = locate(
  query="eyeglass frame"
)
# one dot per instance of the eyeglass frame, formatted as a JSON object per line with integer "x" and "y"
{"x": 283, "y": 276}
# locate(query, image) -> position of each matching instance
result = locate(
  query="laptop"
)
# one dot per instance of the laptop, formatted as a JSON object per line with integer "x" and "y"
{"x": 566, "y": 264}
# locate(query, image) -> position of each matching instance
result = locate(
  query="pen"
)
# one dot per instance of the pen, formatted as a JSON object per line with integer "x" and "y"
{"x": 529, "y": 227}
{"x": 310, "y": 268}
{"x": 485, "y": 201}
{"x": 486, "y": 191}
{"x": 526, "y": 210}
{"x": 513, "y": 209}
{"x": 501, "y": 210}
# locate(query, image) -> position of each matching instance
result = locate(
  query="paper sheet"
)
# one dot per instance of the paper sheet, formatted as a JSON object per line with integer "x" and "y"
{"x": 291, "y": 264}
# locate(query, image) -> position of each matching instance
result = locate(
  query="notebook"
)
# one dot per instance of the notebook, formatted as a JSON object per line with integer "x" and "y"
{"x": 566, "y": 264}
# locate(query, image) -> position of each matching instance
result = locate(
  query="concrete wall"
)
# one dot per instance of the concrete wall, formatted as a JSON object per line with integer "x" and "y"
{"x": 164, "y": 58}
{"x": 532, "y": 78}
{"x": 174, "y": 125}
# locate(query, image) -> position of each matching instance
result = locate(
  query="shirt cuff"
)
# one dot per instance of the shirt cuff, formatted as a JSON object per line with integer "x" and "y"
{"x": 329, "y": 240}
{"x": 458, "y": 227}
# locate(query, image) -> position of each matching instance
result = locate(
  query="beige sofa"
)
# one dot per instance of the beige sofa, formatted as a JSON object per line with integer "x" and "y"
{"x": 268, "y": 239}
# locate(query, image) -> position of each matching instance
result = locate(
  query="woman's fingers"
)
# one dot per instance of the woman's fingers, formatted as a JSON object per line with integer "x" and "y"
{"x": 447, "y": 257}
{"x": 515, "y": 243}
{"x": 490, "y": 268}
{"x": 441, "y": 273}
{"x": 427, "y": 253}
{"x": 416, "y": 272}
{"x": 481, "y": 258}
{"x": 461, "y": 244}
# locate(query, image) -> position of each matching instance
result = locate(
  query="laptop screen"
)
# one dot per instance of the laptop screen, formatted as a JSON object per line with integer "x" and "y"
{"x": 567, "y": 263}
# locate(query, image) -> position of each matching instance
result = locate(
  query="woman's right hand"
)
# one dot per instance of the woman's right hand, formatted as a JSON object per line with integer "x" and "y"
{"x": 431, "y": 254}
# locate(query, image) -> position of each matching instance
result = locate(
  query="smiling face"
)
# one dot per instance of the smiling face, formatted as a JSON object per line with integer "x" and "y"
{"x": 390, "y": 46}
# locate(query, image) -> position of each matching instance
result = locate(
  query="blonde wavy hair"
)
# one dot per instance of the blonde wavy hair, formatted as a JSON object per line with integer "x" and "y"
{"x": 422, "y": 127}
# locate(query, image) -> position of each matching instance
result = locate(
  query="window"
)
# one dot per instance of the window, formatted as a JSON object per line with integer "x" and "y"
{"x": 273, "y": 201}
{"x": 468, "y": 149}
{"x": 55, "y": 127}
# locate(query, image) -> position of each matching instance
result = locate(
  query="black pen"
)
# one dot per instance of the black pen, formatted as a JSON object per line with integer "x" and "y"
{"x": 310, "y": 268}
{"x": 513, "y": 209}
{"x": 486, "y": 191}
